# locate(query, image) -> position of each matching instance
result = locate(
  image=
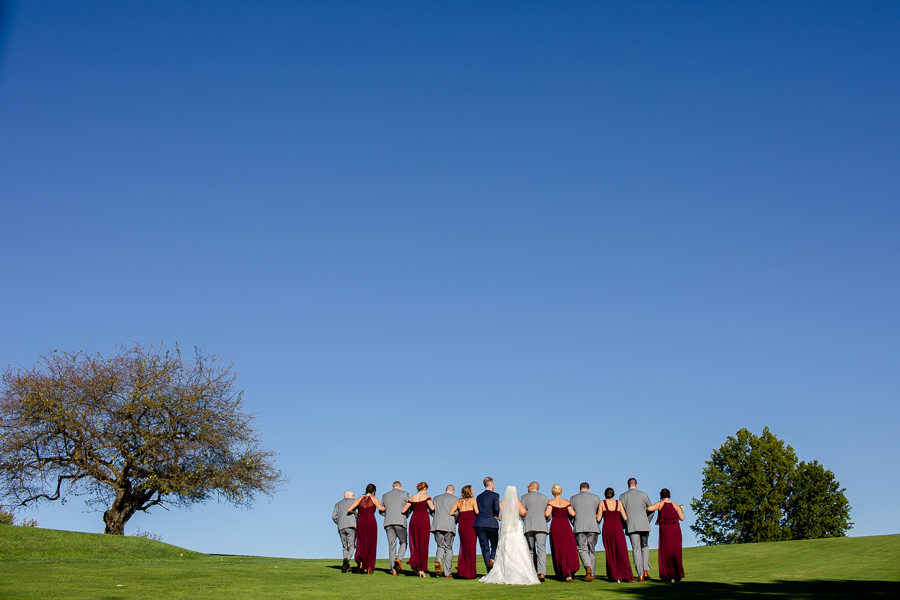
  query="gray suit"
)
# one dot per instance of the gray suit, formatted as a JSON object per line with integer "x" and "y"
{"x": 586, "y": 528}
{"x": 346, "y": 525}
{"x": 444, "y": 528}
{"x": 635, "y": 503}
{"x": 395, "y": 523}
{"x": 536, "y": 528}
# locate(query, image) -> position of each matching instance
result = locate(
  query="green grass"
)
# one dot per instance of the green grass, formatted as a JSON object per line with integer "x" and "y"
{"x": 42, "y": 563}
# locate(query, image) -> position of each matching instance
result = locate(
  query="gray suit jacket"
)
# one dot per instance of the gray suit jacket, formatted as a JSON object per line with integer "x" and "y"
{"x": 635, "y": 503}
{"x": 393, "y": 502}
{"x": 443, "y": 520}
{"x": 585, "y": 505}
{"x": 340, "y": 516}
{"x": 535, "y": 503}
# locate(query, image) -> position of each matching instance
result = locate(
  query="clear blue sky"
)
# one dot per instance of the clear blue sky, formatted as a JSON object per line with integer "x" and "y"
{"x": 642, "y": 225}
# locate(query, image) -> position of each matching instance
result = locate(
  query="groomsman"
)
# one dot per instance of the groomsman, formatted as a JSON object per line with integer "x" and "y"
{"x": 346, "y": 524}
{"x": 637, "y": 527}
{"x": 395, "y": 525}
{"x": 486, "y": 527}
{"x": 443, "y": 526}
{"x": 536, "y": 527}
{"x": 586, "y": 529}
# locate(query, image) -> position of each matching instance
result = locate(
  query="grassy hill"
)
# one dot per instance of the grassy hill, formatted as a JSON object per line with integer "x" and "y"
{"x": 42, "y": 563}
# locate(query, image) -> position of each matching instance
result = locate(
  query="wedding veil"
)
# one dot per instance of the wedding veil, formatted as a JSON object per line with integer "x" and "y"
{"x": 509, "y": 514}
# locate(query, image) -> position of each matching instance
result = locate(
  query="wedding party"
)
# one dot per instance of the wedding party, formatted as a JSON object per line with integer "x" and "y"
{"x": 511, "y": 532}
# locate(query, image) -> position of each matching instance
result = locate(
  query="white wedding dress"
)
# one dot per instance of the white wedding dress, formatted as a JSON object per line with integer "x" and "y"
{"x": 513, "y": 564}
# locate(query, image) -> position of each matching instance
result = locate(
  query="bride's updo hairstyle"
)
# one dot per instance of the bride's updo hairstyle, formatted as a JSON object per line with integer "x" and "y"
{"x": 422, "y": 486}
{"x": 467, "y": 492}
{"x": 556, "y": 490}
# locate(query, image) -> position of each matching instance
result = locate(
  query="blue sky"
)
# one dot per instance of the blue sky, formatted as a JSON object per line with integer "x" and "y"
{"x": 635, "y": 227}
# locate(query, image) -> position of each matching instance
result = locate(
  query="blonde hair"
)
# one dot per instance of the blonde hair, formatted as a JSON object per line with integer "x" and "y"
{"x": 467, "y": 492}
{"x": 556, "y": 490}
{"x": 422, "y": 486}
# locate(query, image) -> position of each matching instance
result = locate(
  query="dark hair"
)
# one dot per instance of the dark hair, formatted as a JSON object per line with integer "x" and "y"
{"x": 631, "y": 480}
{"x": 609, "y": 493}
{"x": 664, "y": 493}
{"x": 421, "y": 486}
{"x": 370, "y": 489}
{"x": 467, "y": 492}
{"x": 584, "y": 486}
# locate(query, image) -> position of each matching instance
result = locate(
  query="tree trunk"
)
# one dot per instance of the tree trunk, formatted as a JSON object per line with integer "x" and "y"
{"x": 122, "y": 509}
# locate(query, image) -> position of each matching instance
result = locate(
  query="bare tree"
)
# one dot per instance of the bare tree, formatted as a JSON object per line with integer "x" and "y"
{"x": 138, "y": 428}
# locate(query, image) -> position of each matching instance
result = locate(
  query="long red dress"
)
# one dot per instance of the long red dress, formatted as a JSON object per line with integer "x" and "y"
{"x": 618, "y": 567}
{"x": 366, "y": 535}
{"x": 669, "y": 556}
{"x": 419, "y": 535}
{"x": 562, "y": 543}
{"x": 465, "y": 566}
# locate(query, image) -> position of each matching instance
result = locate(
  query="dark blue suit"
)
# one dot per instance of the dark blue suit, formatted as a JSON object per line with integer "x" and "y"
{"x": 485, "y": 525}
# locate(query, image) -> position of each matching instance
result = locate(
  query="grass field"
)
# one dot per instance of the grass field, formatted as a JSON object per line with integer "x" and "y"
{"x": 43, "y": 563}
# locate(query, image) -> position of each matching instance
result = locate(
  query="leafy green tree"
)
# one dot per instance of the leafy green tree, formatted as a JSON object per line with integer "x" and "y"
{"x": 139, "y": 428}
{"x": 817, "y": 507}
{"x": 745, "y": 485}
{"x": 754, "y": 491}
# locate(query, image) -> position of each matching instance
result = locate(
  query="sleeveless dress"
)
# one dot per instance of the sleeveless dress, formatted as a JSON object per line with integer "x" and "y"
{"x": 562, "y": 543}
{"x": 419, "y": 535}
{"x": 366, "y": 535}
{"x": 617, "y": 564}
{"x": 465, "y": 565}
{"x": 669, "y": 557}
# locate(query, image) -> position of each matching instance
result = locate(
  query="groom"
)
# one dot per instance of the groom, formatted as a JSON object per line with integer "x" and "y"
{"x": 485, "y": 525}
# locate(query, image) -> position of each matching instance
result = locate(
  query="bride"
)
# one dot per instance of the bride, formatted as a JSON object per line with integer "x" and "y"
{"x": 513, "y": 563}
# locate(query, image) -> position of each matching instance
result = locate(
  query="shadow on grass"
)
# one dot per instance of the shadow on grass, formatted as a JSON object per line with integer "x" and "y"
{"x": 819, "y": 588}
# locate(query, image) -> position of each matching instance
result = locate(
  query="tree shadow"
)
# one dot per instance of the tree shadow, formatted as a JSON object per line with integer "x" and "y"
{"x": 810, "y": 589}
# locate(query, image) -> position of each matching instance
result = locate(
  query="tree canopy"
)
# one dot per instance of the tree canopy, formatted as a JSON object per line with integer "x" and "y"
{"x": 755, "y": 491}
{"x": 138, "y": 428}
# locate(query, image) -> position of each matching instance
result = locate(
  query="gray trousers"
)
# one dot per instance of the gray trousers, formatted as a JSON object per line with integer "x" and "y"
{"x": 587, "y": 548}
{"x": 640, "y": 551}
{"x": 537, "y": 543}
{"x": 444, "y": 552}
{"x": 348, "y": 541}
{"x": 395, "y": 533}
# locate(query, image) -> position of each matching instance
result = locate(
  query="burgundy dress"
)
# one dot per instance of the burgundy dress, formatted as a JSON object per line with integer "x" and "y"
{"x": 562, "y": 543}
{"x": 618, "y": 567}
{"x": 465, "y": 565}
{"x": 366, "y": 535}
{"x": 669, "y": 557}
{"x": 419, "y": 535}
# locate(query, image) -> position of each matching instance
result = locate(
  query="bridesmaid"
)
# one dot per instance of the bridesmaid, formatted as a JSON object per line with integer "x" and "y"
{"x": 562, "y": 539}
{"x": 467, "y": 509}
{"x": 419, "y": 528}
{"x": 618, "y": 566}
{"x": 366, "y": 530}
{"x": 669, "y": 555}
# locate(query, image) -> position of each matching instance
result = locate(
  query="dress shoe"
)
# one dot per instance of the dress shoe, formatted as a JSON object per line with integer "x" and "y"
{"x": 438, "y": 571}
{"x": 490, "y": 564}
{"x": 397, "y": 566}
{"x": 541, "y": 577}
{"x": 590, "y": 574}
{"x": 646, "y": 574}
{"x": 641, "y": 578}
